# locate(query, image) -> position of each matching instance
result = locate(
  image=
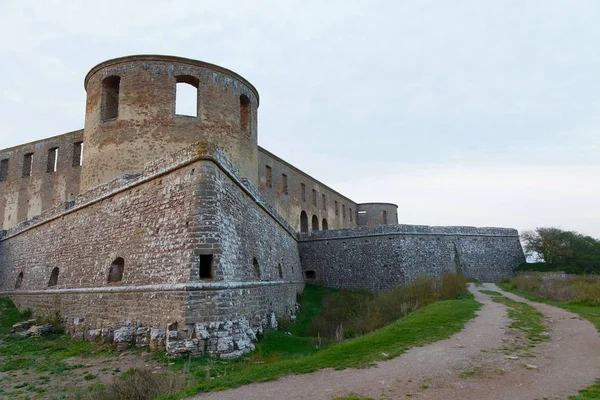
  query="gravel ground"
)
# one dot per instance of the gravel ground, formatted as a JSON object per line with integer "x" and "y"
{"x": 470, "y": 365}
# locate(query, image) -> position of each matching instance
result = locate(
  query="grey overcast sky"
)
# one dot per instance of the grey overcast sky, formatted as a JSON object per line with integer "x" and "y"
{"x": 481, "y": 113}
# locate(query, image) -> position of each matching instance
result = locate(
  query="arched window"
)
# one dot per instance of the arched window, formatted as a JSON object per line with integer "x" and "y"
{"x": 53, "y": 277}
{"x": 325, "y": 226}
{"x": 19, "y": 281}
{"x": 303, "y": 222}
{"x": 186, "y": 95}
{"x": 245, "y": 113}
{"x": 315, "y": 223}
{"x": 109, "y": 106}
{"x": 115, "y": 273}
{"x": 280, "y": 271}
{"x": 256, "y": 267}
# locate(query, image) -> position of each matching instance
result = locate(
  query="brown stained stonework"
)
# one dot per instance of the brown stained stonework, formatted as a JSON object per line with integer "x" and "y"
{"x": 172, "y": 234}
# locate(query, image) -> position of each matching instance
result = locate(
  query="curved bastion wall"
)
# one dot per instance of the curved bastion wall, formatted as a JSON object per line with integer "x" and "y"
{"x": 131, "y": 115}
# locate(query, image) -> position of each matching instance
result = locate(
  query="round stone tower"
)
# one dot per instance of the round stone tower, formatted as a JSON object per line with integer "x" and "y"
{"x": 131, "y": 115}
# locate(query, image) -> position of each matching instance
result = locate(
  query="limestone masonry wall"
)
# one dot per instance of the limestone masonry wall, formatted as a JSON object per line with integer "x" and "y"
{"x": 381, "y": 258}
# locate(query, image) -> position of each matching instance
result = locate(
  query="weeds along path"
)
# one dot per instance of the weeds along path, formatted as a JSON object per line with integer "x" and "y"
{"x": 490, "y": 359}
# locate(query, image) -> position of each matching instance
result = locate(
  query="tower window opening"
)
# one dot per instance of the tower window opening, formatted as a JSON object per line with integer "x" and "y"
{"x": 27, "y": 164}
{"x": 53, "y": 281}
{"x": 109, "y": 106}
{"x": 206, "y": 266}
{"x": 315, "y": 223}
{"x": 77, "y": 154}
{"x": 3, "y": 170}
{"x": 324, "y": 225}
{"x": 383, "y": 217}
{"x": 245, "y": 113}
{"x": 186, "y": 95}
{"x": 115, "y": 273}
{"x": 52, "y": 164}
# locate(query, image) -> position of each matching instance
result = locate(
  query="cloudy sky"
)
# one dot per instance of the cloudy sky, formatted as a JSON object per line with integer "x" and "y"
{"x": 481, "y": 113}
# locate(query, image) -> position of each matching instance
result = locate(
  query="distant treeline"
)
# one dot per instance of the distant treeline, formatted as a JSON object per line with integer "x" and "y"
{"x": 559, "y": 250}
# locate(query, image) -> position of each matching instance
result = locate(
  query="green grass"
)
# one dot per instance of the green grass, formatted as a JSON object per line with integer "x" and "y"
{"x": 587, "y": 311}
{"x": 40, "y": 354}
{"x": 525, "y": 318}
{"x": 490, "y": 292}
{"x": 311, "y": 302}
{"x": 429, "y": 324}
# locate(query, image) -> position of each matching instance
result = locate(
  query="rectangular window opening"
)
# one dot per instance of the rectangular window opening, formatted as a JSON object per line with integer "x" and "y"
{"x": 27, "y": 164}
{"x": 314, "y": 197}
{"x": 3, "y": 170}
{"x": 206, "y": 266}
{"x": 52, "y": 160}
{"x": 109, "y": 106}
{"x": 186, "y": 96}
{"x": 337, "y": 208}
{"x": 324, "y": 200}
{"x": 303, "y": 191}
{"x": 343, "y": 211}
{"x": 269, "y": 176}
{"x": 350, "y": 212}
{"x": 77, "y": 154}
{"x": 284, "y": 184}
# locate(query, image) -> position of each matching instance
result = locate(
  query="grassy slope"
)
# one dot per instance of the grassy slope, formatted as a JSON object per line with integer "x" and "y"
{"x": 427, "y": 325}
{"x": 589, "y": 312}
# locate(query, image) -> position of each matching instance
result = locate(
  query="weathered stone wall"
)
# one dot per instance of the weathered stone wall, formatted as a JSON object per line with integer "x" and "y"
{"x": 291, "y": 202}
{"x": 381, "y": 258}
{"x": 147, "y": 127}
{"x": 373, "y": 214}
{"x": 25, "y": 196}
{"x": 161, "y": 222}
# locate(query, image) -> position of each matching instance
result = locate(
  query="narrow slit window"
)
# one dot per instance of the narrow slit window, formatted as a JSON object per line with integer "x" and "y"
{"x": 3, "y": 170}
{"x": 350, "y": 214}
{"x": 303, "y": 191}
{"x": 284, "y": 184}
{"x": 337, "y": 208}
{"x": 269, "y": 176}
{"x": 280, "y": 271}
{"x": 324, "y": 201}
{"x": 343, "y": 211}
{"x": 52, "y": 164}
{"x": 27, "y": 164}
{"x": 77, "y": 154}
{"x": 109, "y": 107}
{"x": 19, "y": 281}
{"x": 314, "y": 197}
{"x": 115, "y": 273}
{"x": 53, "y": 281}
{"x": 186, "y": 96}
{"x": 245, "y": 113}
{"x": 256, "y": 268}
{"x": 206, "y": 266}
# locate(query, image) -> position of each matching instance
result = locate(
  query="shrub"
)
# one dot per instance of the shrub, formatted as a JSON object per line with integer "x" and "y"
{"x": 453, "y": 285}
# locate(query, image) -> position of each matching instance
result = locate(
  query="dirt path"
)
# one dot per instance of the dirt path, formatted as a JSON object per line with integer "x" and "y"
{"x": 470, "y": 365}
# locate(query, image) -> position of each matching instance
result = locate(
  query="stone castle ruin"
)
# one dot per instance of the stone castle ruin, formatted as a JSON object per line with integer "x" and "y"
{"x": 157, "y": 229}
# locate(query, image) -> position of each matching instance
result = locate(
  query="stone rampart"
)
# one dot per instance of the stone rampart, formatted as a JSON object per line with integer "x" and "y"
{"x": 383, "y": 257}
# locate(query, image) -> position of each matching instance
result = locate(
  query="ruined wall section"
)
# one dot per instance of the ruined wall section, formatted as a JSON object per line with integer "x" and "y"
{"x": 292, "y": 194}
{"x": 381, "y": 258}
{"x": 30, "y": 180}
